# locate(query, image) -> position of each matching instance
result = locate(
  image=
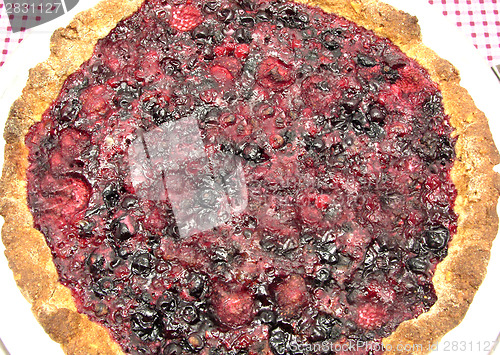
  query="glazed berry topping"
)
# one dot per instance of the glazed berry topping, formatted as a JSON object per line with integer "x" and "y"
{"x": 244, "y": 177}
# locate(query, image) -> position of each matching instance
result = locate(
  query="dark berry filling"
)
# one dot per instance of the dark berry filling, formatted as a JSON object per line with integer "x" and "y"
{"x": 245, "y": 178}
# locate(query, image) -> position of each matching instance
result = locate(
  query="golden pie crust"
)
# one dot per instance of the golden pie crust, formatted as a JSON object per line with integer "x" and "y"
{"x": 456, "y": 279}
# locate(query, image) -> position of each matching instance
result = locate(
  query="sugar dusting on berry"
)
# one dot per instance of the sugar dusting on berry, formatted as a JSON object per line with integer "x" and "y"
{"x": 185, "y": 18}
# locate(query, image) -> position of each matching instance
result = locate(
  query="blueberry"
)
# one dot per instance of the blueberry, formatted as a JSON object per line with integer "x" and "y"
{"x": 328, "y": 39}
{"x": 242, "y": 35}
{"x": 100, "y": 73}
{"x": 167, "y": 303}
{"x": 264, "y": 16}
{"x": 172, "y": 231}
{"x": 327, "y": 327}
{"x": 173, "y": 326}
{"x": 160, "y": 115}
{"x": 309, "y": 33}
{"x": 247, "y": 5}
{"x": 141, "y": 263}
{"x": 317, "y": 144}
{"x": 377, "y": 114}
{"x": 146, "y": 324}
{"x": 392, "y": 75}
{"x": 172, "y": 349}
{"x": 126, "y": 94}
{"x": 220, "y": 255}
{"x": 121, "y": 230}
{"x": 278, "y": 341}
{"x": 267, "y": 243}
{"x": 201, "y": 32}
{"x": 306, "y": 236}
{"x": 70, "y": 110}
{"x": 262, "y": 293}
{"x": 366, "y": 61}
{"x": 350, "y": 103}
{"x": 436, "y": 238}
{"x": 196, "y": 284}
{"x": 267, "y": 317}
{"x": 129, "y": 202}
{"x": 247, "y": 21}
{"x": 110, "y": 196}
{"x": 290, "y": 17}
{"x": 349, "y": 140}
{"x": 303, "y": 17}
{"x": 322, "y": 276}
{"x": 86, "y": 228}
{"x": 145, "y": 316}
{"x": 360, "y": 122}
{"x": 104, "y": 287}
{"x": 96, "y": 263}
{"x": 226, "y": 15}
{"x": 190, "y": 314}
{"x": 211, "y": 6}
{"x": 340, "y": 123}
{"x": 170, "y": 65}
{"x": 252, "y": 152}
{"x": 418, "y": 265}
{"x": 208, "y": 53}
{"x": 374, "y": 252}
{"x": 433, "y": 105}
{"x": 328, "y": 253}
{"x": 375, "y": 132}
{"x": 323, "y": 86}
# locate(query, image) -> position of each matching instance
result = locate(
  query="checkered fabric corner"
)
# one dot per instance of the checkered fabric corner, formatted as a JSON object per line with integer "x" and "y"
{"x": 478, "y": 19}
{"x": 8, "y": 40}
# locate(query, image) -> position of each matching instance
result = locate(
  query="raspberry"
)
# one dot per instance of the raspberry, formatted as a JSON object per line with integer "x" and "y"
{"x": 322, "y": 201}
{"x": 241, "y": 51}
{"x": 292, "y": 295}
{"x": 274, "y": 74}
{"x": 371, "y": 316}
{"x": 185, "y": 18}
{"x": 233, "y": 308}
{"x": 219, "y": 51}
{"x": 232, "y": 64}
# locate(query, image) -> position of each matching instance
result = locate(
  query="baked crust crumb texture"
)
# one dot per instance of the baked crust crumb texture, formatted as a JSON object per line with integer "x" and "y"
{"x": 456, "y": 279}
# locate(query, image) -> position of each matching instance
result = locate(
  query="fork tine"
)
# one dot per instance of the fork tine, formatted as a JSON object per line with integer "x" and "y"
{"x": 496, "y": 70}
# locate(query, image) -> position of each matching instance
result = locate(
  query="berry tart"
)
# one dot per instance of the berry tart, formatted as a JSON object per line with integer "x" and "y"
{"x": 247, "y": 177}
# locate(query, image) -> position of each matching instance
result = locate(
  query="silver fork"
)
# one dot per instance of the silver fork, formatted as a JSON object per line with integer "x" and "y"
{"x": 496, "y": 70}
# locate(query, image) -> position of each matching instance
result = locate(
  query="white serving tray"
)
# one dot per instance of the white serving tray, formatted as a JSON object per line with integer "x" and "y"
{"x": 22, "y": 334}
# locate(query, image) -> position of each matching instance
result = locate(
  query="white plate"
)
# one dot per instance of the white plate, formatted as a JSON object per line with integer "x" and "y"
{"x": 22, "y": 335}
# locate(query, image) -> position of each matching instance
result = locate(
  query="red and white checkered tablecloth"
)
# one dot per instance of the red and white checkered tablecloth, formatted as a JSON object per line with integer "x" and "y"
{"x": 479, "y": 19}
